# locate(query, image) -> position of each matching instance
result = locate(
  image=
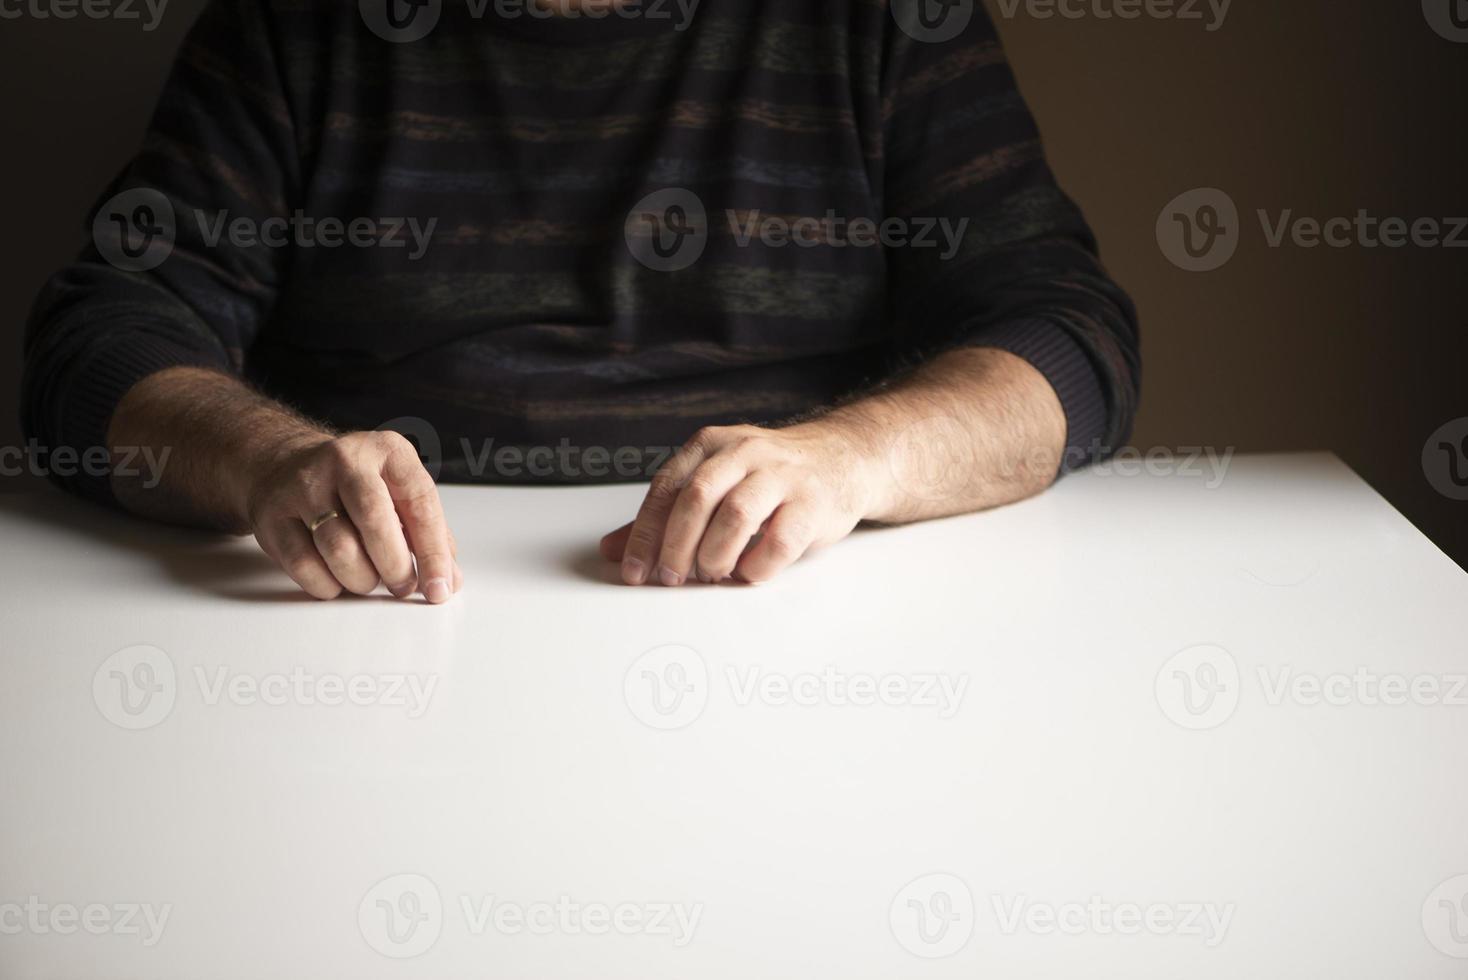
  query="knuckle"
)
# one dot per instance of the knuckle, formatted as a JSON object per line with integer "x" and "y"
{"x": 338, "y": 549}
{"x": 390, "y": 441}
{"x": 704, "y": 437}
{"x": 664, "y": 487}
{"x": 738, "y": 511}
{"x": 421, "y": 508}
{"x": 700, "y": 491}
{"x": 786, "y": 542}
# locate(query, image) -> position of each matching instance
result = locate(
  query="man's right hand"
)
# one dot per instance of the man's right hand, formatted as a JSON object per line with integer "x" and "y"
{"x": 339, "y": 513}
{"x": 388, "y": 526}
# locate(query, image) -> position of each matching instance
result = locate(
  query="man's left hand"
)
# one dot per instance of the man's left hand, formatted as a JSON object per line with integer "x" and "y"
{"x": 744, "y": 502}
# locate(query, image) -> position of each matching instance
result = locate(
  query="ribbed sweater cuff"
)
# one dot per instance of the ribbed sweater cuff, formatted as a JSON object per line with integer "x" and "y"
{"x": 1057, "y": 355}
{"x": 97, "y": 384}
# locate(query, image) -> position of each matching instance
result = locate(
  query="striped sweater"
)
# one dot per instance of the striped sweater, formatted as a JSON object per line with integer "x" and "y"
{"x": 507, "y": 231}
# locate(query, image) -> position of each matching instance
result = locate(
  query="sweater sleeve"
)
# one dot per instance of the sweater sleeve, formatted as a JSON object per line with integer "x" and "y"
{"x": 961, "y": 149}
{"x": 163, "y": 281}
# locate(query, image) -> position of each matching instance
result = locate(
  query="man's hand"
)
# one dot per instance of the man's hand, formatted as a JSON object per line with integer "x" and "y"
{"x": 337, "y": 513}
{"x": 796, "y": 489}
{"x": 972, "y": 428}
{"x": 387, "y": 515}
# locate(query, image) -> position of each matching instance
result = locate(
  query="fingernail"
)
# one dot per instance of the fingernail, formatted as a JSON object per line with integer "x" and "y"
{"x": 436, "y": 590}
{"x": 669, "y": 577}
{"x": 404, "y": 589}
{"x": 705, "y": 577}
{"x": 633, "y": 571}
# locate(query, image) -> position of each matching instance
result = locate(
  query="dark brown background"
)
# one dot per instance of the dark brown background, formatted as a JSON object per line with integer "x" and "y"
{"x": 1321, "y": 106}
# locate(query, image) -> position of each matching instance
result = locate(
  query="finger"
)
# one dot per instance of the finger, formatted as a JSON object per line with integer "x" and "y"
{"x": 370, "y": 507}
{"x": 691, "y": 513}
{"x": 290, "y": 544}
{"x": 340, "y": 546}
{"x": 790, "y": 533}
{"x": 415, "y": 498}
{"x": 739, "y": 518}
{"x": 614, "y": 545}
{"x": 646, "y": 536}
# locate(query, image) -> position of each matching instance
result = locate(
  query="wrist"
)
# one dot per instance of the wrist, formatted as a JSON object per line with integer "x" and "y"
{"x": 262, "y": 458}
{"x": 858, "y": 449}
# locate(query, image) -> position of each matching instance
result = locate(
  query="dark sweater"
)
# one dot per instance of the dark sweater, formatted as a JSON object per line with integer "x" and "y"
{"x": 527, "y": 319}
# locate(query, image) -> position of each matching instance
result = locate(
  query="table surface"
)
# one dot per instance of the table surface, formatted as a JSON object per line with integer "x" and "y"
{"x": 1156, "y": 724}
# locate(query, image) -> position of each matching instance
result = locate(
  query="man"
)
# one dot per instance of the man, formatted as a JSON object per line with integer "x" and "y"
{"x": 814, "y": 243}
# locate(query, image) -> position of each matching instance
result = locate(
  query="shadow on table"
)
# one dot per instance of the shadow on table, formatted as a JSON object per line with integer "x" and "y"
{"x": 203, "y": 561}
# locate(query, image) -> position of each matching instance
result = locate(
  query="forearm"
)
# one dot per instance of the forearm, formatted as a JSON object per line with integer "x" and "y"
{"x": 970, "y": 429}
{"x": 219, "y": 434}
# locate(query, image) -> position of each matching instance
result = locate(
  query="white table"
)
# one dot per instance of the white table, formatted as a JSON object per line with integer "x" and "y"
{"x": 1129, "y": 773}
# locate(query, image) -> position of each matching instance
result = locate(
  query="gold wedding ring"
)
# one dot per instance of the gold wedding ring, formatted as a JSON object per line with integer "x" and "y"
{"x": 329, "y": 515}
